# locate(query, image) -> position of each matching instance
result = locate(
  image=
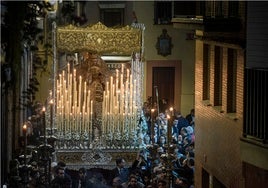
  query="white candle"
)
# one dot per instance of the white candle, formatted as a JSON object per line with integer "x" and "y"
{"x": 71, "y": 125}
{"x": 83, "y": 119}
{"x": 71, "y": 91}
{"x": 68, "y": 71}
{"x": 74, "y": 88}
{"x": 91, "y": 118}
{"x": 79, "y": 94}
{"x": 131, "y": 94}
{"x": 103, "y": 113}
{"x": 86, "y": 122}
{"x": 80, "y": 123}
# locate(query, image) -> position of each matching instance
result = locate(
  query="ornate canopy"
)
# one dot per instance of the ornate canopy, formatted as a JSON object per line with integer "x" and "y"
{"x": 99, "y": 39}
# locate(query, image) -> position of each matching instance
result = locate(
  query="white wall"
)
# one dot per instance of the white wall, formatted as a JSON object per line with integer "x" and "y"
{"x": 183, "y": 50}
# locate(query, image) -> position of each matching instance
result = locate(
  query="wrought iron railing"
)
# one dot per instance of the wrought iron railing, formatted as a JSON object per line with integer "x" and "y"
{"x": 255, "y": 104}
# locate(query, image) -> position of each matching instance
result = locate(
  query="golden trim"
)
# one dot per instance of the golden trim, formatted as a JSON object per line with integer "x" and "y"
{"x": 99, "y": 39}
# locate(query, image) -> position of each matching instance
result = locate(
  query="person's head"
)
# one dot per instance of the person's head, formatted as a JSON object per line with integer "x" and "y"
{"x": 162, "y": 139}
{"x": 147, "y": 139}
{"x": 190, "y": 162}
{"x": 187, "y": 140}
{"x": 161, "y": 184}
{"x": 62, "y": 164}
{"x": 60, "y": 172}
{"x": 178, "y": 114}
{"x": 155, "y": 128}
{"x": 181, "y": 182}
{"x": 133, "y": 181}
{"x": 181, "y": 159}
{"x": 82, "y": 172}
{"x": 42, "y": 179}
{"x": 180, "y": 138}
{"x": 117, "y": 181}
{"x": 146, "y": 178}
{"x": 160, "y": 150}
{"x": 190, "y": 154}
{"x": 162, "y": 115}
{"x": 120, "y": 162}
{"x": 184, "y": 131}
{"x": 192, "y": 112}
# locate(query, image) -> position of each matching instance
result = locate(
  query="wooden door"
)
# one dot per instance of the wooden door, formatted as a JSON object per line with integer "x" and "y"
{"x": 163, "y": 83}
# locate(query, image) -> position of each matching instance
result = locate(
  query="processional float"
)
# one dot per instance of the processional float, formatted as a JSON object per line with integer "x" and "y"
{"x": 96, "y": 107}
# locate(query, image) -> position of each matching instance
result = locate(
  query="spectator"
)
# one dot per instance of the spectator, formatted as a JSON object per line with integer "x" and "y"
{"x": 141, "y": 163}
{"x": 132, "y": 183}
{"x": 162, "y": 184}
{"x": 182, "y": 122}
{"x": 120, "y": 170}
{"x": 191, "y": 118}
{"x": 63, "y": 165}
{"x": 61, "y": 180}
{"x": 117, "y": 183}
{"x": 83, "y": 180}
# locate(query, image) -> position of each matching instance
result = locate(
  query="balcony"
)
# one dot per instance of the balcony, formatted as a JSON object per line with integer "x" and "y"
{"x": 220, "y": 24}
{"x": 254, "y": 142}
{"x": 255, "y": 114}
{"x": 207, "y": 24}
{"x": 188, "y": 22}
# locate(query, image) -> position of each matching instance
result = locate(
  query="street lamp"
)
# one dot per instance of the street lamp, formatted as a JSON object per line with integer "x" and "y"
{"x": 51, "y": 116}
{"x": 24, "y": 169}
{"x": 152, "y": 125}
{"x": 24, "y": 130}
{"x": 44, "y": 123}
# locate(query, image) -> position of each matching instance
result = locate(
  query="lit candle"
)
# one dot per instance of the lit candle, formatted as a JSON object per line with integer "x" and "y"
{"x": 91, "y": 117}
{"x": 116, "y": 86}
{"x": 71, "y": 91}
{"x": 68, "y": 72}
{"x": 80, "y": 123}
{"x": 51, "y": 116}
{"x": 71, "y": 125}
{"x": 88, "y": 101}
{"x": 74, "y": 89}
{"x": 131, "y": 94}
{"x": 83, "y": 118}
{"x": 79, "y": 94}
{"x": 127, "y": 74}
{"x": 44, "y": 121}
{"x": 103, "y": 113}
{"x": 86, "y": 122}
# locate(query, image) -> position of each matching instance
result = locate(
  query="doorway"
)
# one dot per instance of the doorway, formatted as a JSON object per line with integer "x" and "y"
{"x": 163, "y": 84}
{"x": 156, "y": 71}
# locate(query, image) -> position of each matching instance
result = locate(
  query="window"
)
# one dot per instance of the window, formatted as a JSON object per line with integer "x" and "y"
{"x": 218, "y": 76}
{"x": 206, "y": 72}
{"x": 214, "y": 9}
{"x": 231, "y": 81}
{"x": 218, "y": 9}
{"x": 233, "y": 8}
{"x": 162, "y": 12}
{"x": 185, "y": 8}
{"x": 112, "y": 13}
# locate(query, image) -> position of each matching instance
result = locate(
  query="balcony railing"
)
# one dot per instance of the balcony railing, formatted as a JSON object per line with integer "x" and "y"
{"x": 220, "y": 24}
{"x": 256, "y": 103}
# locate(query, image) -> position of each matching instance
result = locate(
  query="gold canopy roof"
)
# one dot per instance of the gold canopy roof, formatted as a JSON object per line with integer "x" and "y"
{"x": 99, "y": 39}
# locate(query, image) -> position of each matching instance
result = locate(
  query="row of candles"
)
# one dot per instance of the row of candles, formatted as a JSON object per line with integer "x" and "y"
{"x": 120, "y": 103}
{"x": 74, "y": 104}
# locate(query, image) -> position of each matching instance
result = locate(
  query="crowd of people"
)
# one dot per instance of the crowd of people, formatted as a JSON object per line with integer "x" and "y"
{"x": 166, "y": 159}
